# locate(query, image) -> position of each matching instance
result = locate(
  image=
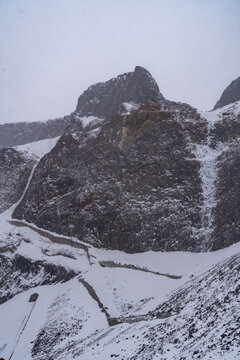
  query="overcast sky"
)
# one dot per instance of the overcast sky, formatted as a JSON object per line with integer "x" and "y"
{"x": 52, "y": 50}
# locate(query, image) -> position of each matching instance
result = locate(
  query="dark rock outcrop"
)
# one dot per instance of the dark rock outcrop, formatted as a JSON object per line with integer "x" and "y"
{"x": 15, "y": 169}
{"x": 226, "y": 136}
{"x": 230, "y": 94}
{"x": 101, "y": 100}
{"x": 104, "y": 99}
{"x": 132, "y": 186}
{"x": 19, "y": 273}
{"x": 226, "y": 214}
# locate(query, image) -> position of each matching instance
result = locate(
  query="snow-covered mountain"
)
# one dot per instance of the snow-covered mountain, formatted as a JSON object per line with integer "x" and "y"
{"x": 157, "y": 178}
{"x": 134, "y": 172}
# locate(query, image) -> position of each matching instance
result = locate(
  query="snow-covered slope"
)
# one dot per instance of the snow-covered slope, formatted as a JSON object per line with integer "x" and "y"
{"x": 154, "y": 314}
{"x": 37, "y": 149}
{"x": 16, "y": 166}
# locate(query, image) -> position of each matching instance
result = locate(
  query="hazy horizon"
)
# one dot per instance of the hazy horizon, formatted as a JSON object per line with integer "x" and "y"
{"x": 52, "y": 51}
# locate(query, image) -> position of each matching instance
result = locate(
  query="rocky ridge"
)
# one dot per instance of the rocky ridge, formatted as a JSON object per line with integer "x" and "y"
{"x": 101, "y": 100}
{"x": 230, "y": 95}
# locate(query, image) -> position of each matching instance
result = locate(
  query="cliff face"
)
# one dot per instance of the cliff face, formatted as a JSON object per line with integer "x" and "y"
{"x": 107, "y": 99}
{"x": 155, "y": 175}
{"x": 132, "y": 185}
{"x": 226, "y": 213}
{"x": 230, "y": 95}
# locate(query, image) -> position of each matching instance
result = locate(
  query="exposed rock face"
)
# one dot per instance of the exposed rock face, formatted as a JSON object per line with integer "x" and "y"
{"x": 23, "y": 133}
{"x": 18, "y": 274}
{"x": 134, "y": 185}
{"x": 227, "y": 223}
{"x": 230, "y": 94}
{"x": 15, "y": 169}
{"x": 105, "y": 99}
{"x": 101, "y": 100}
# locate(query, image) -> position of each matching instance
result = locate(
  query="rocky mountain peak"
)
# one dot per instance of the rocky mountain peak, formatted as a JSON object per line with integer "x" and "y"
{"x": 105, "y": 99}
{"x": 230, "y": 94}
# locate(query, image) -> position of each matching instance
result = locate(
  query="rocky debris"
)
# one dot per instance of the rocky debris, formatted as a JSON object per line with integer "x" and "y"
{"x": 15, "y": 169}
{"x": 230, "y": 94}
{"x": 105, "y": 99}
{"x": 124, "y": 187}
{"x": 19, "y": 273}
{"x": 26, "y": 132}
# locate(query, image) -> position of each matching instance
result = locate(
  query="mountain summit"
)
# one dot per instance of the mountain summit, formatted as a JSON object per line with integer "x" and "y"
{"x": 105, "y": 98}
{"x": 101, "y": 100}
{"x": 230, "y": 95}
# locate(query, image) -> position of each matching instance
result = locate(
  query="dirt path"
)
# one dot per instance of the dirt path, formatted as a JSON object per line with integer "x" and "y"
{"x": 112, "y": 264}
{"x": 54, "y": 238}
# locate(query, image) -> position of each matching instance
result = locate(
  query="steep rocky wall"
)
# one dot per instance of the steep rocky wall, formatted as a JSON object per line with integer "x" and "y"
{"x": 104, "y": 99}
{"x": 132, "y": 186}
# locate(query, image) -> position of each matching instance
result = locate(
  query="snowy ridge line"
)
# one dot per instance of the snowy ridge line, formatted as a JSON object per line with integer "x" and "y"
{"x": 112, "y": 264}
{"x": 53, "y": 236}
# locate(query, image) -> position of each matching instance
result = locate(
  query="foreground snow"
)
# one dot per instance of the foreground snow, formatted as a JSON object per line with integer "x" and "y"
{"x": 67, "y": 322}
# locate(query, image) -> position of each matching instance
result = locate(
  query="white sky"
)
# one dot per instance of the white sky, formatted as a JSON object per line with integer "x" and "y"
{"x": 52, "y": 50}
